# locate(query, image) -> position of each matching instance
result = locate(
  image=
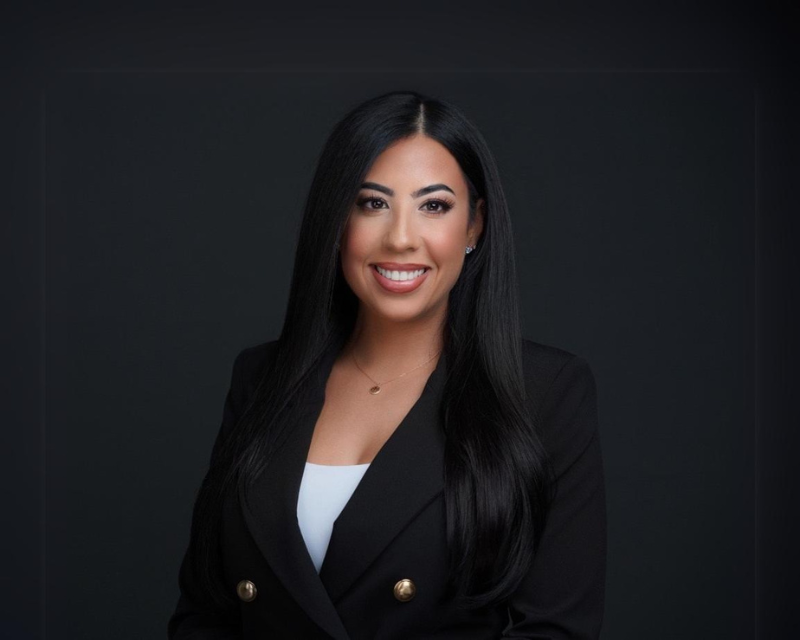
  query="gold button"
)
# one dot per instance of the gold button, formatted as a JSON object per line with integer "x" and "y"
{"x": 404, "y": 590}
{"x": 246, "y": 590}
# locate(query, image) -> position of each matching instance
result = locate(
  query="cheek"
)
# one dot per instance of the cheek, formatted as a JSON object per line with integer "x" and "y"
{"x": 356, "y": 240}
{"x": 449, "y": 246}
{"x": 354, "y": 251}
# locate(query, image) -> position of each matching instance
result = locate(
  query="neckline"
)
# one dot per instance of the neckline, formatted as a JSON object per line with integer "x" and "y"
{"x": 338, "y": 466}
{"x": 332, "y": 350}
{"x": 430, "y": 392}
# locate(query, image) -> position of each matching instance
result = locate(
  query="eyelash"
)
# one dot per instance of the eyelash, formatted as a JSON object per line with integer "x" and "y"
{"x": 445, "y": 205}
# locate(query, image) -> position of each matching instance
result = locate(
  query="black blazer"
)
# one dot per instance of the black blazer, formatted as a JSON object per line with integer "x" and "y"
{"x": 393, "y": 529}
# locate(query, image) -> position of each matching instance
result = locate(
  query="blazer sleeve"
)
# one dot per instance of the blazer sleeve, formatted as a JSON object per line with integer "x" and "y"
{"x": 562, "y": 596}
{"x": 190, "y": 620}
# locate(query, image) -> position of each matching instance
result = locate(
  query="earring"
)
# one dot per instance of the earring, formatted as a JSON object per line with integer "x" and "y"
{"x": 469, "y": 249}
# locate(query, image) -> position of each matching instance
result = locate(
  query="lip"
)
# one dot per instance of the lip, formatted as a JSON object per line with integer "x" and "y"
{"x": 399, "y": 287}
{"x": 401, "y": 266}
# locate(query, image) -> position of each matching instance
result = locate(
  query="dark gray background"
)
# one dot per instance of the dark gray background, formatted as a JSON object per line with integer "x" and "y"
{"x": 172, "y": 205}
{"x": 161, "y": 206}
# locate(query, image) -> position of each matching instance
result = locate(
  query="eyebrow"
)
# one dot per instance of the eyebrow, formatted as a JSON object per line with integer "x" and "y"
{"x": 416, "y": 194}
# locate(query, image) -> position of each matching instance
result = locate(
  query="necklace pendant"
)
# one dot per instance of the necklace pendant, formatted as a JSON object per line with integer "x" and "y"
{"x": 375, "y": 390}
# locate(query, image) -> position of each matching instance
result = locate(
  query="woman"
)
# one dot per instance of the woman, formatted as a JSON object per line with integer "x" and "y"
{"x": 401, "y": 463}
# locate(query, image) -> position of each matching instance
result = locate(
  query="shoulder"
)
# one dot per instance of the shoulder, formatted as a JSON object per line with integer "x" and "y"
{"x": 544, "y": 364}
{"x": 541, "y": 364}
{"x": 252, "y": 359}
{"x": 561, "y": 396}
{"x": 247, "y": 368}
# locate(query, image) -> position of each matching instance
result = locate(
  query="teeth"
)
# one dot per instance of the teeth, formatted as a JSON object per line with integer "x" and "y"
{"x": 400, "y": 276}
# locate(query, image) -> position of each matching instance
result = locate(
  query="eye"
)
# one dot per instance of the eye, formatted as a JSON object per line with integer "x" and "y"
{"x": 443, "y": 206}
{"x": 436, "y": 206}
{"x": 368, "y": 200}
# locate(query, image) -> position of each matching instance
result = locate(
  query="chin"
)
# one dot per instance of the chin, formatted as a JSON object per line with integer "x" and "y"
{"x": 398, "y": 315}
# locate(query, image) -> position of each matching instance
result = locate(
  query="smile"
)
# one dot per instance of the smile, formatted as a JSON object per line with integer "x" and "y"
{"x": 400, "y": 276}
{"x": 399, "y": 281}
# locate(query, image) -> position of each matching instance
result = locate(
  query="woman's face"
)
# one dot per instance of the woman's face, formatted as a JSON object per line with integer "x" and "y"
{"x": 412, "y": 213}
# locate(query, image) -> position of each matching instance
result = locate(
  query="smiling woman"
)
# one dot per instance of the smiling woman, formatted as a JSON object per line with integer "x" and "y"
{"x": 423, "y": 222}
{"x": 401, "y": 462}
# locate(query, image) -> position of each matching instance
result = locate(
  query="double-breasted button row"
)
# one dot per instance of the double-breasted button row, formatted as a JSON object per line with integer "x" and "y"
{"x": 404, "y": 590}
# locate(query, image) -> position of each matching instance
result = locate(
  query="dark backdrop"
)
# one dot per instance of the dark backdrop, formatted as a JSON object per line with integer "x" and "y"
{"x": 151, "y": 224}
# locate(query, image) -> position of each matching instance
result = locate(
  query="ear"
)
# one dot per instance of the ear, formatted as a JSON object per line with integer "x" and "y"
{"x": 476, "y": 228}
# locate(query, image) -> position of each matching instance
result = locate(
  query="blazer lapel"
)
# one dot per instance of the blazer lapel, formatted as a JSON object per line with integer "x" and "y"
{"x": 404, "y": 476}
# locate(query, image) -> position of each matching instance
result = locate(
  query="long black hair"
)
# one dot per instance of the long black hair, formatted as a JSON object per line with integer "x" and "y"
{"x": 498, "y": 480}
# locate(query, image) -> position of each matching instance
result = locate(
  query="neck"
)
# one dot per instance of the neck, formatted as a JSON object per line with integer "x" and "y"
{"x": 386, "y": 347}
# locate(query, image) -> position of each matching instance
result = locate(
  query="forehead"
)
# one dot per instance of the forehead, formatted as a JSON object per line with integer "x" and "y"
{"x": 410, "y": 162}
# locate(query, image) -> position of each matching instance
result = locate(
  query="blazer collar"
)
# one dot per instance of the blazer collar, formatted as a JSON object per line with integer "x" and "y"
{"x": 404, "y": 477}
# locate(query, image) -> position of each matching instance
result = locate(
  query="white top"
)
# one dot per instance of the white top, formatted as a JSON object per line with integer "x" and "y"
{"x": 324, "y": 492}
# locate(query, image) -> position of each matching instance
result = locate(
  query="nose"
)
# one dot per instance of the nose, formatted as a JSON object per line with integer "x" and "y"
{"x": 402, "y": 233}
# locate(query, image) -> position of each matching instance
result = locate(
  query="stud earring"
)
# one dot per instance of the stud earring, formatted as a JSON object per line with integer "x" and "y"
{"x": 469, "y": 249}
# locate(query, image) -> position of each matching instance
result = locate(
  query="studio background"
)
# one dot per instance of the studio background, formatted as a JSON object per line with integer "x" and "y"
{"x": 172, "y": 203}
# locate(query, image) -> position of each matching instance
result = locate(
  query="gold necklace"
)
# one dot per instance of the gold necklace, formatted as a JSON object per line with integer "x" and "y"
{"x": 377, "y": 388}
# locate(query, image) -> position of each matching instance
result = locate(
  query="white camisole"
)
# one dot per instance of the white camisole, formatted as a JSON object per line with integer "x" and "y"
{"x": 324, "y": 492}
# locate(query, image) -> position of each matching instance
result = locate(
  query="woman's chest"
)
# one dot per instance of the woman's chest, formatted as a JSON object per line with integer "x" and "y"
{"x": 354, "y": 425}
